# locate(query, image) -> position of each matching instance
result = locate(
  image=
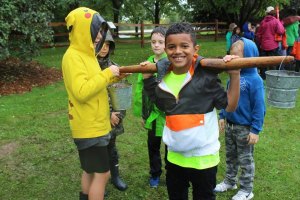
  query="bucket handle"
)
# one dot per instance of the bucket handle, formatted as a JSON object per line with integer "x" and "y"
{"x": 282, "y": 62}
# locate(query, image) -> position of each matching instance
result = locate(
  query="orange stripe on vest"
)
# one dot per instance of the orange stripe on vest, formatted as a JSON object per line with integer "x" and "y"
{"x": 184, "y": 121}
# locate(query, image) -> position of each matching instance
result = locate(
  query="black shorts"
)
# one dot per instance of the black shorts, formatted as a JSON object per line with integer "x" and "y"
{"x": 94, "y": 159}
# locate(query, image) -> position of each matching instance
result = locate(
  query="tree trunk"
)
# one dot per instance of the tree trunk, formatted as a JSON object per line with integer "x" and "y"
{"x": 117, "y": 4}
{"x": 137, "y": 28}
{"x": 156, "y": 12}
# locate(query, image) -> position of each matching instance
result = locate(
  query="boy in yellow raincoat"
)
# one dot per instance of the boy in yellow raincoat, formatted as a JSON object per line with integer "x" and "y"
{"x": 86, "y": 84}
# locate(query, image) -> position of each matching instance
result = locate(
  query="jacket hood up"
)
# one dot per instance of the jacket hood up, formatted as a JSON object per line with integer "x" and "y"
{"x": 78, "y": 22}
{"x": 245, "y": 27}
{"x": 111, "y": 41}
{"x": 250, "y": 50}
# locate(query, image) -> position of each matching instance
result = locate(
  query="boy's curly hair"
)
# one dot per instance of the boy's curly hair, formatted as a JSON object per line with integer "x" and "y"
{"x": 161, "y": 30}
{"x": 182, "y": 27}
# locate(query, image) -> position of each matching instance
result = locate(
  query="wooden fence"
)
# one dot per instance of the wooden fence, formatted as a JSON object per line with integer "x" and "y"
{"x": 207, "y": 29}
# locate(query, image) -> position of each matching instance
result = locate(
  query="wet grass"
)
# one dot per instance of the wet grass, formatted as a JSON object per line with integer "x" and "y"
{"x": 43, "y": 162}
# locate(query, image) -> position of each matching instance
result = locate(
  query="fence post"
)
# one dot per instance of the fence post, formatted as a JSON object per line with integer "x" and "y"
{"x": 216, "y": 30}
{"x": 142, "y": 34}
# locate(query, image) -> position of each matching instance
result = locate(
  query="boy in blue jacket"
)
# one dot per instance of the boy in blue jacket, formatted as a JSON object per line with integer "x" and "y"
{"x": 243, "y": 126}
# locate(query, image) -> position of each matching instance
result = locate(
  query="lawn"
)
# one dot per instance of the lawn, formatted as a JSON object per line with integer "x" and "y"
{"x": 38, "y": 159}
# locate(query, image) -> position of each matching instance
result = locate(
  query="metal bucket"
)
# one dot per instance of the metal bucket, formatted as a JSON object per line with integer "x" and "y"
{"x": 282, "y": 87}
{"x": 120, "y": 95}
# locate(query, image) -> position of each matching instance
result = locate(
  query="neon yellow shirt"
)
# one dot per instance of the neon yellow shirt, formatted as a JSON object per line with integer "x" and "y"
{"x": 174, "y": 82}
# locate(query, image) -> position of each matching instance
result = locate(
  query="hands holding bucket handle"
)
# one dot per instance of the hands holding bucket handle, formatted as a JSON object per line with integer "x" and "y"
{"x": 115, "y": 70}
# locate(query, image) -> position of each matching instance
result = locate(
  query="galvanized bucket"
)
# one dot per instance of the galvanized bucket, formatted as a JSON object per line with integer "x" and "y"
{"x": 282, "y": 87}
{"x": 120, "y": 95}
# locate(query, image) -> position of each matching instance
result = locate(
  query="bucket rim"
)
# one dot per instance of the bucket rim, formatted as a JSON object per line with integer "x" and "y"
{"x": 125, "y": 84}
{"x": 285, "y": 73}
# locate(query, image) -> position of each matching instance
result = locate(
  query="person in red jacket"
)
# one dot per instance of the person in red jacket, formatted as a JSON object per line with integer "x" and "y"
{"x": 296, "y": 52}
{"x": 269, "y": 27}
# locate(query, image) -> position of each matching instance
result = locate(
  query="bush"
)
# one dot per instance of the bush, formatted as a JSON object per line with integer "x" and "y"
{"x": 24, "y": 27}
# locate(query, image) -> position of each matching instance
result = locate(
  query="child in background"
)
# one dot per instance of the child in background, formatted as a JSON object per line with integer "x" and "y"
{"x": 243, "y": 126}
{"x": 248, "y": 32}
{"x": 116, "y": 117}
{"x": 190, "y": 96}
{"x": 153, "y": 118}
{"x": 228, "y": 37}
{"x": 236, "y": 34}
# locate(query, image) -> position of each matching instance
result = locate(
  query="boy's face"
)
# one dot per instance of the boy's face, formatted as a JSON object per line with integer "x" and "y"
{"x": 180, "y": 50}
{"x": 104, "y": 50}
{"x": 97, "y": 39}
{"x": 249, "y": 26}
{"x": 158, "y": 43}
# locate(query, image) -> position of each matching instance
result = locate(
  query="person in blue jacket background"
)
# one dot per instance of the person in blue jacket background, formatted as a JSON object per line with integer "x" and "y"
{"x": 248, "y": 32}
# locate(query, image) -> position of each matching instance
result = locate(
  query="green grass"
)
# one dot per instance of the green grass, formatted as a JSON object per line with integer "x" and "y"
{"x": 41, "y": 160}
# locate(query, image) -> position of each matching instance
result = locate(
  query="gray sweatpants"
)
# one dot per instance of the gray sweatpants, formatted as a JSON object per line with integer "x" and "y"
{"x": 239, "y": 154}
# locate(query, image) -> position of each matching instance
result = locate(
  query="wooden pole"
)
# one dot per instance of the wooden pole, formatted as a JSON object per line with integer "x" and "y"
{"x": 237, "y": 63}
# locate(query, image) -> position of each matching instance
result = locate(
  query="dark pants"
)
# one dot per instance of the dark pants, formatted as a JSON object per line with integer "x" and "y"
{"x": 112, "y": 151}
{"x": 179, "y": 179}
{"x": 262, "y": 70}
{"x": 297, "y": 65}
{"x": 154, "y": 152}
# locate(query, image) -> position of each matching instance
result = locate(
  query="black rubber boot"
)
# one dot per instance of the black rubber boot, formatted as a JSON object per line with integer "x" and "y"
{"x": 83, "y": 196}
{"x": 116, "y": 180}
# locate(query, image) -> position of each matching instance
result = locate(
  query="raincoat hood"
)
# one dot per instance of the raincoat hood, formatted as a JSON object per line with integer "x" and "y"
{"x": 245, "y": 27}
{"x": 105, "y": 62}
{"x": 111, "y": 41}
{"x": 83, "y": 25}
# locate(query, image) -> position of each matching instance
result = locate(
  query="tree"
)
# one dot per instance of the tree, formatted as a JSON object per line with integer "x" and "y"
{"x": 24, "y": 26}
{"x": 238, "y": 11}
{"x": 63, "y": 7}
{"x": 155, "y": 9}
{"x": 150, "y": 10}
{"x": 117, "y": 4}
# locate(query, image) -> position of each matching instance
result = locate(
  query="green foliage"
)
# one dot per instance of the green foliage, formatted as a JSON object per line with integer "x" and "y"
{"x": 24, "y": 26}
{"x": 149, "y": 10}
{"x": 63, "y": 7}
{"x": 238, "y": 11}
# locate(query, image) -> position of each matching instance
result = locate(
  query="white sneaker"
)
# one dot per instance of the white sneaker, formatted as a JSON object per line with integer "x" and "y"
{"x": 223, "y": 187}
{"x": 241, "y": 195}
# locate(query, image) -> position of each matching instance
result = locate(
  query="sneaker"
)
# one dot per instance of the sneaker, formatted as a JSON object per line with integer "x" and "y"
{"x": 241, "y": 195}
{"x": 223, "y": 187}
{"x": 154, "y": 182}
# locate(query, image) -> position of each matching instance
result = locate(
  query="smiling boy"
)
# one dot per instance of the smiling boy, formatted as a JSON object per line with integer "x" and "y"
{"x": 189, "y": 95}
